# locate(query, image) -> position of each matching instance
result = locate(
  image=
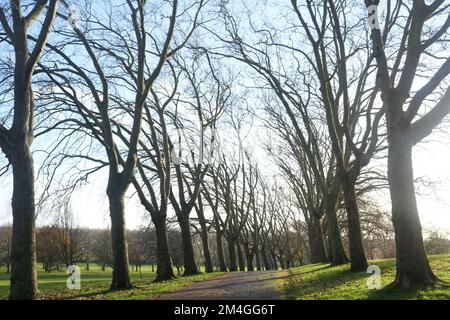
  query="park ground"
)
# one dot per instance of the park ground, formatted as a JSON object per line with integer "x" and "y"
{"x": 312, "y": 282}
{"x": 95, "y": 284}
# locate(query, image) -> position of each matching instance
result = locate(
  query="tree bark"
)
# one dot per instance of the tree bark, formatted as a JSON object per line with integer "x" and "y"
{"x": 204, "y": 236}
{"x": 164, "y": 269}
{"x": 264, "y": 257}
{"x": 23, "y": 240}
{"x": 274, "y": 260}
{"x": 249, "y": 258}
{"x": 121, "y": 272}
{"x": 358, "y": 261}
{"x": 282, "y": 264}
{"x": 220, "y": 255}
{"x": 232, "y": 253}
{"x": 258, "y": 259}
{"x": 190, "y": 267}
{"x": 337, "y": 254}
{"x": 316, "y": 241}
{"x": 240, "y": 257}
{"x": 413, "y": 268}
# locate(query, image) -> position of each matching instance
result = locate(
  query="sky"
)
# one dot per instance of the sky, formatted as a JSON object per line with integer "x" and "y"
{"x": 431, "y": 160}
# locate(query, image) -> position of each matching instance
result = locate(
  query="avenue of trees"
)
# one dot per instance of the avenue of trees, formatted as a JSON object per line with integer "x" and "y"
{"x": 162, "y": 100}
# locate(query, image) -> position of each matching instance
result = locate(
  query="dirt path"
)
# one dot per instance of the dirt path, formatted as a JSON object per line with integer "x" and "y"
{"x": 261, "y": 285}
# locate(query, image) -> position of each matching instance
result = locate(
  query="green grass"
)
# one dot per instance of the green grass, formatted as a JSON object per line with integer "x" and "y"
{"x": 323, "y": 282}
{"x": 95, "y": 285}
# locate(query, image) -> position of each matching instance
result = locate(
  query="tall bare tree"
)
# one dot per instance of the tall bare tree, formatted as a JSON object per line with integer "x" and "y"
{"x": 17, "y": 21}
{"x": 130, "y": 57}
{"x": 416, "y": 102}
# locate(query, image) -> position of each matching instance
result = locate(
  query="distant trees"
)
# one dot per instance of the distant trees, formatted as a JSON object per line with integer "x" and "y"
{"x": 5, "y": 246}
{"x": 437, "y": 243}
{"x": 141, "y": 247}
{"x": 176, "y": 250}
{"x": 101, "y": 248}
{"x": 48, "y": 248}
{"x": 55, "y": 251}
{"x": 70, "y": 237}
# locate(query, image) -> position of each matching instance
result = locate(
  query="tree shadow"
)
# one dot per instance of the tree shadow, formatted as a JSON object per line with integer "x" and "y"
{"x": 329, "y": 278}
{"x": 392, "y": 293}
{"x": 324, "y": 266}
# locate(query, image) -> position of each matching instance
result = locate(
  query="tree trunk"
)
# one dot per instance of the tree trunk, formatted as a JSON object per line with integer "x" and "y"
{"x": 357, "y": 256}
{"x": 121, "y": 272}
{"x": 413, "y": 268}
{"x": 337, "y": 254}
{"x": 316, "y": 241}
{"x": 232, "y": 252}
{"x": 258, "y": 259}
{"x": 240, "y": 257}
{"x": 23, "y": 241}
{"x": 264, "y": 257}
{"x": 220, "y": 255}
{"x": 249, "y": 258}
{"x": 204, "y": 236}
{"x": 282, "y": 264}
{"x": 274, "y": 261}
{"x": 190, "y": 267}
{"x": 164, "y": 269}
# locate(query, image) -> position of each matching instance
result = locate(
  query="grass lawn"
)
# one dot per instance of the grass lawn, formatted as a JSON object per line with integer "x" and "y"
{"x": 95, "y": 284}
{"x": 323, "y": 282}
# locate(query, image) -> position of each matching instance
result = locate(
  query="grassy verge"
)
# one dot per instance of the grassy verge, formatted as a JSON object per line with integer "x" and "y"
{"x": 95, "y": 285}
{"x": 321, "y": 282}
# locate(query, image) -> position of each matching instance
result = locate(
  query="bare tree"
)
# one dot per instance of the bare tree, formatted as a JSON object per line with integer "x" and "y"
{"x": 416, "y": 101}
{"x": 47, "y": 248}
{"x": 126, "y": 46}
{"x": 71, "y": 237}
{"x": 101, "y": 247}
{"x": 207, "y": 103}
{"x": 16, "y": 141}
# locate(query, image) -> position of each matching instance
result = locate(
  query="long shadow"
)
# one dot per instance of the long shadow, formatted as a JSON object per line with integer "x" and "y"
{"x": 391, "y": 293}
{"x": 326, "y": 266}
{"x": 329, "y": 278}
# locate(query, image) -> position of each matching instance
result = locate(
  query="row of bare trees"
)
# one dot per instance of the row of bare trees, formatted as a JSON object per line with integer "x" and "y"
{"x": 138, "y": 90}
{"x": 341, "y": 89}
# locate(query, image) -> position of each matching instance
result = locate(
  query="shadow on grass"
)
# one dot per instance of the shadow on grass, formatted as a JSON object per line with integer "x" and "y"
{"x": 328, "y": 282}
{"x": 392, "y": 293}
{"x": 389, "y": 293}
{"x": 314, "y": 269}
{"x": 301, "y": 283}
